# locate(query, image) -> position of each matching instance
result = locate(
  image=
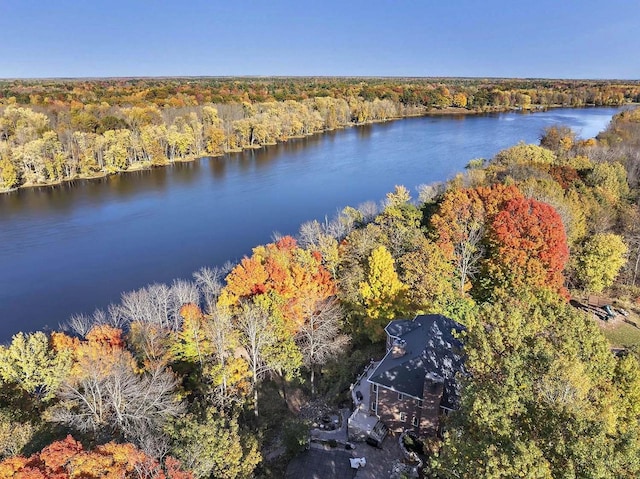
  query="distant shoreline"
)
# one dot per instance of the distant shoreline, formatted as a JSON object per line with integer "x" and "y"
{"x": 447, "y": 111}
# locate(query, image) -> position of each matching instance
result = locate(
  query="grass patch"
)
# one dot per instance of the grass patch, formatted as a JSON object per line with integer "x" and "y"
{"x": 622, "y": 334}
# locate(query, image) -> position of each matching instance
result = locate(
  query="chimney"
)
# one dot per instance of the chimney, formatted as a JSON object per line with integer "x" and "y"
{"x": 398, "y": 349}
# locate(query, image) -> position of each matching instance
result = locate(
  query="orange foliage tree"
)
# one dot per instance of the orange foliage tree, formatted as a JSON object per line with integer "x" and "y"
{"x": 529, "y": 247}
{"x": 67, "y": 459}
{"x": 461, "y": 223}
{"x": 287, "y": 274}
{"x": 103, "y": 347}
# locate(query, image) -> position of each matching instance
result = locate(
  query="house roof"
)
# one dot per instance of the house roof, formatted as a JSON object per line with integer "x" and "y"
{"x": 432, "y": 352}
{"x": 397, "y": 328}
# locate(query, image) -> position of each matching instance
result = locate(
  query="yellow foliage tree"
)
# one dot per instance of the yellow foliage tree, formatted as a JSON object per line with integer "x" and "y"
{"x": 382, "y": 292}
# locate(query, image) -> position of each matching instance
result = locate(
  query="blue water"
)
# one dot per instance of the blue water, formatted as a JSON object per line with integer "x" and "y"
{"x": 73, "y": 248}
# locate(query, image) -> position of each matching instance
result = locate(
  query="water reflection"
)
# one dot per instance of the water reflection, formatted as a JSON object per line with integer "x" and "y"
{"x": 218, "y": 167}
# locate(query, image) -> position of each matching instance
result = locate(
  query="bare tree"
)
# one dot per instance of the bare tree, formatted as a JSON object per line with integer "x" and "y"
{"x": 79, "y": 324}
{"x": 319, "y": 338}
{"x": 428, "y": 193}
{"x": 118, "y": 401}
{"x": 183, "y": 292}
{"x": 310, "y": 233}
{"x": 154, "y": 304}
{"x": 224, "y": 340}
{"x": 256, "y": 336}
{"x": 151, "y": 304}
{"x": 369, "y": 211}
{"x": 469, "y": 251}
{"x": 209, "y": 282}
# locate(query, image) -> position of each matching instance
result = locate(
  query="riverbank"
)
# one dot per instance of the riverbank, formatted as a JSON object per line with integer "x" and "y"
{"x": 422, "y": 112}
{"x": 71, "y": 249}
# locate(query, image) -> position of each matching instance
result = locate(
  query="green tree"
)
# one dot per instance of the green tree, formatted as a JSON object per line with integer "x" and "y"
{"x": 541, "y": 399}
{"x": 30, "y": 364}
{"x": 600, "y": 260}
{"x": 609, "y": 181}
{"x": 212, "y": 445}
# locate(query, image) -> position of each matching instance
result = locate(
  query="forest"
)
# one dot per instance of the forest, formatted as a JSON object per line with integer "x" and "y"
{"x": 60, "y": 130}
{"x": 207, "y": 377}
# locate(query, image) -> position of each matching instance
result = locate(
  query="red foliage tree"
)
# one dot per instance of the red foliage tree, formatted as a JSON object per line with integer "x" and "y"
{"x": 67, "y": 459}
{"x": 461, "y": 223}
{"x": 529, "y": 246}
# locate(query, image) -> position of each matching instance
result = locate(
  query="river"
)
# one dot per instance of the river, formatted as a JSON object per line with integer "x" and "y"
{"x": 75, "y": 247}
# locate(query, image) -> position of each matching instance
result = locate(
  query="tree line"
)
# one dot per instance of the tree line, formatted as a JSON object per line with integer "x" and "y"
{"x": 474, "y": 93}
{"x": 55, "y": 130}
{"x": 186, "y": 373}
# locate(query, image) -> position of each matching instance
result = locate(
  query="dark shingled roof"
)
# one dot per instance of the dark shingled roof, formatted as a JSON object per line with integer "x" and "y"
{"x": 400, "y": 326}
{"x": 431, "y": 351}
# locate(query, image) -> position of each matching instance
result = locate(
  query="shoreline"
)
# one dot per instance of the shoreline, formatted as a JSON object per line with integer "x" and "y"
{"x": 448, "y": 111}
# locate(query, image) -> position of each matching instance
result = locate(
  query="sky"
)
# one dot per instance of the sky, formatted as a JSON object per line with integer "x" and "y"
{"x": 474, "y": 38}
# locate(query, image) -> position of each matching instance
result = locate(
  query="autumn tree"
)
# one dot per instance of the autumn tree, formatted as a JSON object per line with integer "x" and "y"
{"x": 383, "y": 294}
{"x": 571, "y": 206}
{"x": 320, "y": 237}
{"x": 355, "y": 251}
{"x": 67, "y": 459}
{"x": 461, "y": 223}
{"x": 558, "y": 138}
{"x": 525, "y": 154}
{"x": 191, "y": 344}
{"x": 600, "y": 260}
{"x": 208, "y": 342}
{"x": 399, "y": 223}
{"x": 226, "y": 373}
{"x": 609, "y": 181}
{"x": 528, "y": 247}
{"x": 282, "y": 274}
{"x": 429, "y": 277}
{"x": 15, "y": 433}
{"x": 460, "y": 227}
{"x": 8, "y": 174}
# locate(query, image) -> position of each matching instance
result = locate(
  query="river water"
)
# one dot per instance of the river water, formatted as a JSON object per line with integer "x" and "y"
{"x": 75, "y": 247}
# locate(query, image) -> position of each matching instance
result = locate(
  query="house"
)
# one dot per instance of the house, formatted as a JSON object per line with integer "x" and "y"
{"x": 416, "y": 380}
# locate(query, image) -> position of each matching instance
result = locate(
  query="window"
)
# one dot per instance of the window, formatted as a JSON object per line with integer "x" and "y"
{"x": 374, "y": 406}
{"x": 414, "y": 421}
{"x": 374, "y": 387}
{"x": 419, "y": 402}
{"x": 403, "y": 417}
{"x": 400, "y": 396}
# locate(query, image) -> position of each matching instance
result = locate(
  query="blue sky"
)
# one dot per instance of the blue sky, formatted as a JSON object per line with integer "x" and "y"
{"x": 480, "y": 38}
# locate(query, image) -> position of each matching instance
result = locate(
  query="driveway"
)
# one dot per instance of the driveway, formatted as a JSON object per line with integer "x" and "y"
{"x": 379, "y": 460}
{"x": 321, "y": 464}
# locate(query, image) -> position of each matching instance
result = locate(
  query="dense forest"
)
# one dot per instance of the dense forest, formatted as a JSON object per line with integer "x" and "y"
{"x": 60, "y": 130}
{"x": 207, "y": 377}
